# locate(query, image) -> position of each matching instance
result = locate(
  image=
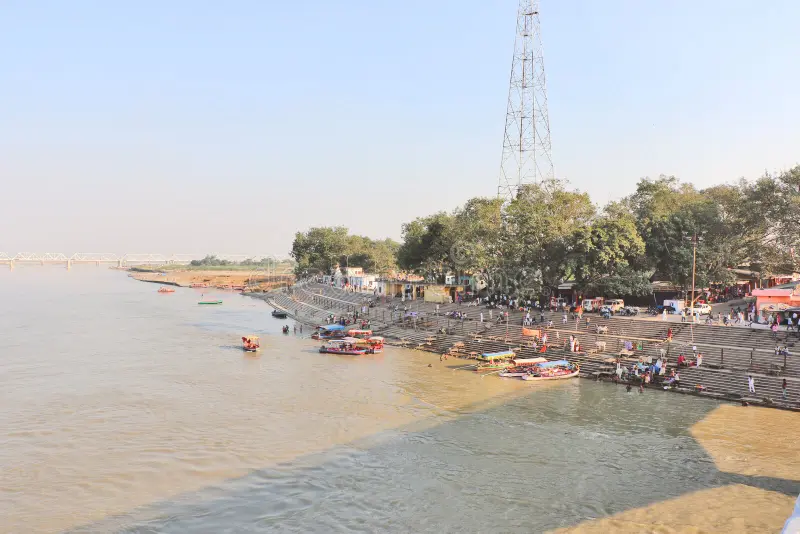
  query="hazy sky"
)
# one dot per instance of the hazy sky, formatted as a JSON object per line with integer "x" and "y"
{"x": 200, "y": 126}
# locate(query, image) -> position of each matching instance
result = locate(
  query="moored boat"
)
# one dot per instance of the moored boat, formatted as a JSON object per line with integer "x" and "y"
{"x": 198, "y": 284}
{"x": 166, "y": 290}
{"x": 343, "y": 346}
{"x": 250, "y": 343}
{"x": 373, "y": 344}
{"x": 521, "y": 367}
{"x": 555, "y": 370}
{"x": 494, "y": 361}
{"x": 359, "y": 333}
{"x": 207, "y": 302}
{"x": 330, "y": 331}
{"x": 279, "y": 314}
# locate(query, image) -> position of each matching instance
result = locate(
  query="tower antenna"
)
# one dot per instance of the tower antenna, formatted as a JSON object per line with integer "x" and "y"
{"x": 527, "y": 157}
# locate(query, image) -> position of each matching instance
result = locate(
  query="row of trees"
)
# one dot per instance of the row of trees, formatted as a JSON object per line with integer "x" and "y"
{"x": 212, "y": 260}
{"x": 549, "y": 234}
{"x": 321, "y": 248}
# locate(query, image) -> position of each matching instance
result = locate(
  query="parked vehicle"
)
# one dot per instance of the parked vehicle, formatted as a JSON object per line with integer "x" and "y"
{"x": 615, "y": 304}
{"x": 674, "y": 306}
{"x": 592, "y": 305}
{"x": 705, "y": 309}
{"x": 629, "y": 311}
{"x": 696, "y": 311}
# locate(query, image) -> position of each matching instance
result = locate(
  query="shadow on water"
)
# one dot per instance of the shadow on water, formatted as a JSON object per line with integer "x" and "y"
{"x": 535, "y": 463}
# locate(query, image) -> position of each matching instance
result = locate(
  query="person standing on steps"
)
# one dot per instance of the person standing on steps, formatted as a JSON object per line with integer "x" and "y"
{"x": 784, "y": 391}
{"x": 751, "y": 384}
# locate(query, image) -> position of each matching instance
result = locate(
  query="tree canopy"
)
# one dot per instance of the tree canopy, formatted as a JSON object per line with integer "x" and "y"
{"x": 549, "y": 233}
{"x": 320, "y": 249}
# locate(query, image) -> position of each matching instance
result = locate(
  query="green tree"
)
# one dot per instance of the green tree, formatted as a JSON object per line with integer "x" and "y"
{"x": 477, "y": 234}
{"x": 427, "y": 245}
{"x": 373, "y": 256}
{"x": 773, "y": 208}
{"x": 669, "y": 213}
{"x": 609, "y": 260}
{"x": 319, "y": 248}
{"x": 544, "y": 225}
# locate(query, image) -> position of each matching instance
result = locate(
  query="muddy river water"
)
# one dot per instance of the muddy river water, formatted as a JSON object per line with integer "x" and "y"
{"x": 125, "y": 410}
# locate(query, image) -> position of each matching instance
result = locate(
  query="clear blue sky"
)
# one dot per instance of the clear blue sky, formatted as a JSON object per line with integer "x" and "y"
{"x": 195, "y": 126}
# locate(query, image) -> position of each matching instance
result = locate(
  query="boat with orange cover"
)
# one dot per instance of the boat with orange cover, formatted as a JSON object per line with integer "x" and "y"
{"x": 250, "y": 343}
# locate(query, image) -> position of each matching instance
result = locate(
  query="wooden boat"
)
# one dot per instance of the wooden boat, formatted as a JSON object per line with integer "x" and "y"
{"x": 208, "y": 302}
{"x": 521, "y": 367}
{"x": 343, "y": 346}
{"x": 373, "y": 344}
{"x": 494, "y": 361}
{"x": 198, "y": 284}
{"x": 359, "y": 333}
{"x": 251, "y": 344}
{"x": 331, "y": 331}
{"x": 556, "y": 370}
{"x": 278, "y": 314}
{"x": 166, "y": 290}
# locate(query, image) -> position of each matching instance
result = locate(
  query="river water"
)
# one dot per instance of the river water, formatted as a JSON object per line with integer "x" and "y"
{"x": 125, "y": 410}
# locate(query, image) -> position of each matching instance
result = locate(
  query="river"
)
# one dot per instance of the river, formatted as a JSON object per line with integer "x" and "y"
{"x": 125, "y": 410}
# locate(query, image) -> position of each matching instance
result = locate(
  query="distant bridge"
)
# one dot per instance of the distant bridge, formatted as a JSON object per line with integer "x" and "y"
{"x": 123, "y": 260}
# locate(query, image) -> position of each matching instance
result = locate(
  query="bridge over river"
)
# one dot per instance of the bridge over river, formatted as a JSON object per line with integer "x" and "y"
{"x": 122, "y": 260}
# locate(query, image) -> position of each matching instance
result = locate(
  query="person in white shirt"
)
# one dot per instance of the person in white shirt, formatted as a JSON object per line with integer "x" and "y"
{"x": 751, "y": 384}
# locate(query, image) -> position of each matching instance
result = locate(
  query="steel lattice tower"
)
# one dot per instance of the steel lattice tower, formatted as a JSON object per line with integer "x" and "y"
{"x": 526, "y": 143}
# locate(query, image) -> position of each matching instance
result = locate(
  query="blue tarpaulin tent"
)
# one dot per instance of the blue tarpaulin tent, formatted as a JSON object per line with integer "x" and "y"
{"x": 333, "y": 327}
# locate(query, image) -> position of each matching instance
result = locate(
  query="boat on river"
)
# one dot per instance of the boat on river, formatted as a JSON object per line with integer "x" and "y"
{"x": 251, "y": 344}
{"x": 279, "y": 314}
{"x": 198, "y": 284}
{"x": 346, "y": 345}
{"x": 521, "y": 367}
{"x": 355, "y": 332}
{"x": 330, "y": 331}
{"x": 555, "y": 370}
{"x": 166, "y": 290}
{"x": 210, "y": 302}
{"x": 494, "y": 361}
{"x": 373, "y": 344}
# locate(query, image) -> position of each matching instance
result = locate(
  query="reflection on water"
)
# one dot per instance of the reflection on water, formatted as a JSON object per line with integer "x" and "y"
{"x": 126, "y": 410}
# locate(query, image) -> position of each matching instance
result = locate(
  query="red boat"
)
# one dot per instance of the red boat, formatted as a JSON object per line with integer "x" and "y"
{"x": 373, "y": 344}
{"x": 343, "y": 346}
{"x": 166, "y": 290}
{"x": 250, "y": 343}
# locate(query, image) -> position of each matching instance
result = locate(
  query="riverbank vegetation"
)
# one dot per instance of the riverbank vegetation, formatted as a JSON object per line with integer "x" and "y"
{"x": 213, "y": 263}
{"x": 550, "y": 233}
{"x": 320, "y": 249}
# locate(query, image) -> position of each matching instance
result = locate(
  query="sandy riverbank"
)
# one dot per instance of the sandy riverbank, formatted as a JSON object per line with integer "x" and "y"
{"x": 223, "y": 279}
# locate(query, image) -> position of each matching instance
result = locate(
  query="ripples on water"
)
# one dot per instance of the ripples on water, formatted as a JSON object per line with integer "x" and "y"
{"x": 129, "y": 411}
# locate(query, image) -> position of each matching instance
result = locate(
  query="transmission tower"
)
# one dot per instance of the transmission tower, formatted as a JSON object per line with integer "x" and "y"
{"x": 526, "y": 142}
